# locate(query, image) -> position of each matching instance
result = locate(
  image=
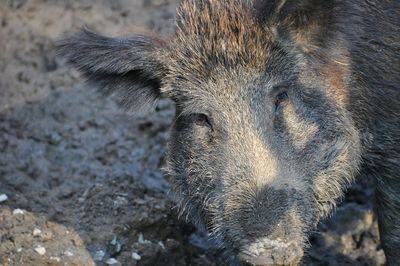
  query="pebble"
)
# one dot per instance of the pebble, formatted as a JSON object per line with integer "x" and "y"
{"x": 18, "y": 211}
{"x": 140, "y": 201}
{"x": 136, "y": 256}
{"x": 55, "y": 138}
{"x": 40, "y": 250}
{"x": 117, "y": 244}
{"x": 112, "y": 261}
{"x": 141, "y": 238}
{"x": 99, "y": 255}
{"x": 68, "y": 253}
{"x": 55, "y": 258}
{"x": 3, "y": 198}
{"x": 37, "y": 232}
{"x": 161, "y": 244}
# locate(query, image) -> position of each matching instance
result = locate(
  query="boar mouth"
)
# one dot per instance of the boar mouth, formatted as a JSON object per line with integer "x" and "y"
{"x": 271, "y": 252}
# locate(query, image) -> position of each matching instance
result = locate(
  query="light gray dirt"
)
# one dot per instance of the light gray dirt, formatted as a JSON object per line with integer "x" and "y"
{"x": 88, "y": 177}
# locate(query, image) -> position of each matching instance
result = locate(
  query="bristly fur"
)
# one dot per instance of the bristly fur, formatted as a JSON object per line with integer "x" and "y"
{"x": 217, "y": 40}
{"x": 280, "y": 105}
{"x": 124, "y": 68}
{"x": 222, "y": 33}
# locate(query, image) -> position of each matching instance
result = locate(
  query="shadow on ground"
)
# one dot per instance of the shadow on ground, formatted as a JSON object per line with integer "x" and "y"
{"x": 88, "y": 178}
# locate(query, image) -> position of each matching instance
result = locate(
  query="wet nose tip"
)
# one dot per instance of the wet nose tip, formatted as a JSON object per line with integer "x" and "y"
{"x": 274, "y": 253}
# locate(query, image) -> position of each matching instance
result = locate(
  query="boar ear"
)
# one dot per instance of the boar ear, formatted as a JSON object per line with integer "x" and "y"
{"x": 309, "y": 22}
{"x": 125, "y": 68}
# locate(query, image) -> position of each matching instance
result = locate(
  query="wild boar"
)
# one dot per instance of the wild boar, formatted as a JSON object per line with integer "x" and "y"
{"x": 280, "y": 105}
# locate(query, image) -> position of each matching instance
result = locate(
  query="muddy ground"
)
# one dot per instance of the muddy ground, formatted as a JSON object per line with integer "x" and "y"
{"x": 80, "y": 181}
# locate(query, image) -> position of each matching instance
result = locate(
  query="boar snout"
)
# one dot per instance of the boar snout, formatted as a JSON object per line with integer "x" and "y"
{"x": 268, "y": 228}
{"x": 271, "y": 252}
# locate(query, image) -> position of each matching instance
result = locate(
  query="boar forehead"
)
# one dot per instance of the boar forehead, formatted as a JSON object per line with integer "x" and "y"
{"x": 215, "y": 42}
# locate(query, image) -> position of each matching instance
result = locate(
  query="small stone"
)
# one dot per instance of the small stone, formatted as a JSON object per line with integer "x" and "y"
{"x": 18, "y": 211}
{"x": 3, "y": 198}
{"x": 136, "y": 256}
{"x": 112, "y": 261}
{"x": 99, "y": 255}
{"x": 140, "y": 201}
{"x": 40, "y": 250}
{"x": 37, "y": 232}
{"x": 161, "y": 244}
{"x": 68, "y": 253}
{"x": 141, "y": 238}
{"x": 55, "y": 258}
{"x": 54, "y": 138}
{"x": 117, "y": 244}
{"x": 19, "y": 249}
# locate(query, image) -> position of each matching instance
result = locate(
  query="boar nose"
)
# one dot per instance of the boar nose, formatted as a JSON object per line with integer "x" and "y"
{"x": 271, "y": 252}
{"x": 267, "y": 216}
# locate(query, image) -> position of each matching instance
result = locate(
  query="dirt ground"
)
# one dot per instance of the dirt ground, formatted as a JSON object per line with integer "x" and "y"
{"x": 81, "y": 182}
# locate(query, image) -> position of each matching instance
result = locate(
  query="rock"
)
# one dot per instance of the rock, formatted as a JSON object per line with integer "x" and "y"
{"x": 161, "y": 244}
{"x": 37, "y": 232}
{"x": 141, "y": 239}
{"x": 99, "y": 255}
{"x": 112, "y": 261}
{"x": 136, "y": 256}
{"x": 40, "y": 250}
{"x": 115, "y": 247}
{"x": 3, "y": 198}
{"x": 54, "y": 138}
{"x": 18, "y": 211}
{"x": 68, "y": 253}
{"x": 55, "y": 258}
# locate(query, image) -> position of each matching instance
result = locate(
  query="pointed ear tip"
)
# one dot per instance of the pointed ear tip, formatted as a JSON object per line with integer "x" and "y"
{"x": 61, "y": 46}
{"x": 64, "y": 45}
{"x": 82, "y": 32}
{"x": 67, "y": 40}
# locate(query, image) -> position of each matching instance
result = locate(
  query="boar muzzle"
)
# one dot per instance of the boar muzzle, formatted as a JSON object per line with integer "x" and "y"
{"x": 271, "y": 252}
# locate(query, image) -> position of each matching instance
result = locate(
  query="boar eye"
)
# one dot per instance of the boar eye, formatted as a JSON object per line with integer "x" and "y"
{"x": 281, "y": 98}
{"x": 202, "y": 120}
